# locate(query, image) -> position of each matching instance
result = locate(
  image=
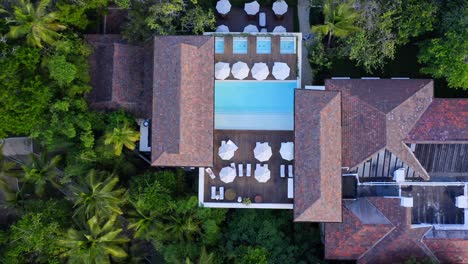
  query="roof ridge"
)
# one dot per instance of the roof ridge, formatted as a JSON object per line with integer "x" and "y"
{"x": 426, "y": 248}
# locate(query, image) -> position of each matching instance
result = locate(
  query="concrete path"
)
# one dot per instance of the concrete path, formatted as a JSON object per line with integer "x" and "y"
{"x": 303, "y": 9}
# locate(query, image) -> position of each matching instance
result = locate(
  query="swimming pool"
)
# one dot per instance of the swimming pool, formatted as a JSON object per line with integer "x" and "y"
{"x": 219, "y": 45}
{"x": 239, "y": 45}
{"x": 252, "y": 105}
{"x": 288, "y": 45}
{"x": 263, "y": 45}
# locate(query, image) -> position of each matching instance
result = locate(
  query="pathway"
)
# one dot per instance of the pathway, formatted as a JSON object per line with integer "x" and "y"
{"x": 303, "y": 9}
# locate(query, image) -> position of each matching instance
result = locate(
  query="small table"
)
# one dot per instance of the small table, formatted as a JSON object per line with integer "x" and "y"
{"x": 230, "y": 194}
{"x": 258, "y": 199}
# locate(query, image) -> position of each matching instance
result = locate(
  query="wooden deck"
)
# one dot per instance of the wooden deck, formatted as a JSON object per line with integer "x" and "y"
{"x": 274, "y": 190}
{"x": 252, "y": 57}
{"x": 237, "y": 19}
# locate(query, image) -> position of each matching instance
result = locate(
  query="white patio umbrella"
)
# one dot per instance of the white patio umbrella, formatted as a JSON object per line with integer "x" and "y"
{"x": 287, "y": 150}
{"x": 227, "y": 150}
{"x": 280, "y": 7}
{"x": 262, "y": 173}
{"x": 279, "y": 29}
{"x": 227, "y": 174}
{"x": 240, "y": 70}
{"x": 260, "y": 71}
{"x": 281, "y": 70}
{"x": 222, "y": 70}
{"x": 222, "y": 28}
{"x": 252, "y": 8}
{"x": 262, "y": 152}
{"x": 223, "y": 7}
{"x": 250, "y": 29}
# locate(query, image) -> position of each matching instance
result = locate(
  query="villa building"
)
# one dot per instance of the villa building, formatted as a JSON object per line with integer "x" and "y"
{"x": 380, "y": 162}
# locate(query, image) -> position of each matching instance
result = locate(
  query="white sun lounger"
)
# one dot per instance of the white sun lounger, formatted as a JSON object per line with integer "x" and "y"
{"x": 290, "y": 171}
{"x": 249, "y": 170}
{"x": 241, "y": 170}
{"x": 213, "y": 192}
{"x": 210, "y": 172}
{"x": 282, "y": 171}
{"x": 262, "y": 19}
{"x": 221, "y": 193}
{"x": 290, "y": 188}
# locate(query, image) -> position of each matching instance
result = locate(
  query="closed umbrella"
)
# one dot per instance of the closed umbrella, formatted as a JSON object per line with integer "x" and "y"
{"x": 280, "y": 7}
{"x": 252, "y": 8}
{"x": 279, "y": 29}
{"x": 250, "y": 29}
{"x": 287, "y": 150}
{"x": 262, "y": 173}
{"x": 240, "y": 70}
{"x": 226, "y": 151}
{"x": 222, "y": 29}
{"x": 262, "y": 152}
{"x": 227, "y": 174}
{"x": 260, "y": 71}
{"x": 223, "y": 7}
{"x": 222, "y": 70}
{"x": 281, "y": 70}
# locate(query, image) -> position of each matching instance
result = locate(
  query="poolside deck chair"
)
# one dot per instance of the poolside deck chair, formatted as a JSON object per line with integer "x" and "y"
{"x": 221, "y": 193}
{"x": 282, "y": 171}
{"x": 241, "y": 170}
{"x": 213, "y": 192}
{"x": 210, "y": 172}
{"x": 290, "y": 171}
{"x": 249, "y": 170}
{"x": 290, "y": 188}
{"x": 262, "y": 19}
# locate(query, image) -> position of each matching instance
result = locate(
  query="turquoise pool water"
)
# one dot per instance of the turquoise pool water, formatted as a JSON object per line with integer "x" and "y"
{"x": 239, "y": 45}
{"x": 251, "y": 105}
{"x": 288, "y": 45}
{"x": 263, "y": 45}
{"x": 219, "y": 45}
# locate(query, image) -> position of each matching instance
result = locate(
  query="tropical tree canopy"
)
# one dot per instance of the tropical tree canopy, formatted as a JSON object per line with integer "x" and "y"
{"x": 121, "y": 136}
{"x": 35, "y": 23}
{"x": 40, "y": 171}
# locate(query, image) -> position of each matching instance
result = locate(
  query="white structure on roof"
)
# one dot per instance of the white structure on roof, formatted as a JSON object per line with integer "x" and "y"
{"x": 223, "y": 7}
{"x": 240, "y": 70}
{"x": 260, "y": 71}
{"x": 250, "y": 29}
{"x": 252, "y": 8}
{"x": 399, "y": 175}
{"x": 461, "y": 202}
{"x": 279, "y": 29}
{"x": 227, "y": 150}
{"x": 227, "y": 174}
{"x": 287, "y": 150}
{"x": 406, "y": 201}
{"x": 222, "y": 29}
{"x": 280, "y": 8}
{"x": 144, "y": 135}
{"x": 222, "y": 70}
{"x": 281, "y": 70}
{"x": 262, "y": 151}
{"x": 262, "y": 173}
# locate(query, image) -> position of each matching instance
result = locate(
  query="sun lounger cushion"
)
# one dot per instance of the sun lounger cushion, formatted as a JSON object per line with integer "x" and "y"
{"x": 262, "y": 19}
{"x": 210, "y": 173}
{"x": 241, "y": 170}
{"x": 249, "y": 170}
{"x": 221, "y": 193}
{"x": 282, "y": 171}
{"x": 290, "y": 171}
{"x": 290, "y": 187}
{"x": 213, "y": 192}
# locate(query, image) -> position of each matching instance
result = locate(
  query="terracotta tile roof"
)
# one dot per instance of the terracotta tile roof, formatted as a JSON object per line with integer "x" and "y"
{"x": 379, "y": 114}
{"x": 119, "y": 75}
{"x": 444, "y": 120}
{"x": 317, "y": 184}
{"x": 377, "y": 243}
{"x": 449, "y": 250}
{"x": 182, "y": 127}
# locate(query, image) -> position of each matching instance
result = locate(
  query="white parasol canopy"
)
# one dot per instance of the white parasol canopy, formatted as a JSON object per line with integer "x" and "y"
{"x": 250, "y": 29}
{"x": 287, "y": 150}
{"x": 262, "y": 173}
{"x": 227, "y": 174}
{"x": 240, "y": 70}
{"x": 260, "y": 71}
{"x": 223, "y": 7}
{"x": 280, "y": 7}
{"x": 222, "y": 28}
{"x": 252, "y": 8}
{"x": 227, "y": 150}
{"x": 281, "y": 70}
{"x": 262, "y": 151}
{"x": 222, "y": 70}
{"x": 279, "y": 29}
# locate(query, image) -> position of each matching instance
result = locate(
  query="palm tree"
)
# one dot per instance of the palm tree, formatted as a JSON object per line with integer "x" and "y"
{"x": 96, "y": 196}
{"x": 40, "y": 171}
{"x": 10, "y": 195}
{"x": 95, "y": 244}
{"x": 121, "y": 136}
{"x": 339, "y": 20}
{"x": 35, "y": 23}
